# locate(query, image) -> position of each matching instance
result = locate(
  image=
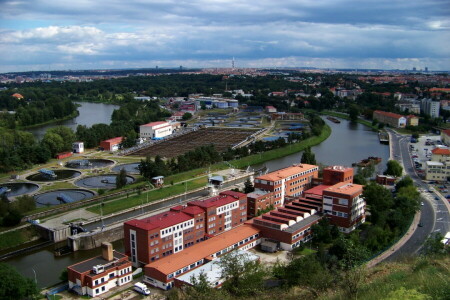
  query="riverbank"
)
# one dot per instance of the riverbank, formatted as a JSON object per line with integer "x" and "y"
{"x": 71, "y": 116}
{"x": 346, "y": 117}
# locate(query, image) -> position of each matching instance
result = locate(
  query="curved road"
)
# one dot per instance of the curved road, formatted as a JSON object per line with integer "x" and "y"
{"x": 435, "y": 216}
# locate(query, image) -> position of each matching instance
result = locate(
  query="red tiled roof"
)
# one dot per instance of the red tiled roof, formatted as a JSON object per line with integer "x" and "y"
{"x": 199, "y": 251}
{"x": 114, "y": 140}
{"x": 446, "y": 131}
{"x": 233, "y": 194}
{"x": 17, "y": 95}
{"x": 317, "y": 190}
{"x": 388, "y": 114}
{"x": 214, "y": 201}
{"x": 162, "y": 220}
{"x": 345, "y": 188}
{"x": 286, "y": 172}
{"x": 441, "y": 151}
{"x": 154, "y": 123}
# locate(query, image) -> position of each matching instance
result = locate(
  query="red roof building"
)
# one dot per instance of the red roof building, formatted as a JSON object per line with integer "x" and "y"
{"x": 111, "y": 144}
{"x": 391, "y": 119}
{"x": 17, "y": 96}
{"x": 98, "y": 275}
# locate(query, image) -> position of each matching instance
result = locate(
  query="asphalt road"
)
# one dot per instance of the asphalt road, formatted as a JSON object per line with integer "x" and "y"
{"x": 434, "y": 214}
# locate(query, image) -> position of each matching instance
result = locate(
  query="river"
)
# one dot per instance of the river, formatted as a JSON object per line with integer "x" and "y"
{"x": 89, "y": 114}
{"x": 348, "y": 143}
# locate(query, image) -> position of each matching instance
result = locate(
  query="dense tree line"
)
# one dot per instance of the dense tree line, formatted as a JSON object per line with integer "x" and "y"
{"x": 11, "y": 212}
{"x": 197, "y": 158}
{"x": 38, "y": 105}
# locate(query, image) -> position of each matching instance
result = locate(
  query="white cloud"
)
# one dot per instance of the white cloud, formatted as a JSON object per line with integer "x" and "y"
{"x": 339, "y": 32}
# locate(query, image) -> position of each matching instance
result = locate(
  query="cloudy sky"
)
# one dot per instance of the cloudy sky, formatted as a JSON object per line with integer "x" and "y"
{"x": 89, "y": 34}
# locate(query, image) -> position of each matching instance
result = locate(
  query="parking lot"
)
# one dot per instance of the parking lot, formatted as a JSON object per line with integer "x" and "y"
{"x": 420, "y": 152}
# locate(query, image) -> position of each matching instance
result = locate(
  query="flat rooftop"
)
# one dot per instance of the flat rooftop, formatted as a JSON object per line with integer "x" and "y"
{"x": 87, "y": 265}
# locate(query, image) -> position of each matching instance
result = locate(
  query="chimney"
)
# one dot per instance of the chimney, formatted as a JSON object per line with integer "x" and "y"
{"x": 107, "y": 251}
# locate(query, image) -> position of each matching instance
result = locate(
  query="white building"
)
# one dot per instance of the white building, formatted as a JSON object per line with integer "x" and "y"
{"x": 78, "y": 147}
{"x": 155, "y": 130}
{"x": 430, "y": 107}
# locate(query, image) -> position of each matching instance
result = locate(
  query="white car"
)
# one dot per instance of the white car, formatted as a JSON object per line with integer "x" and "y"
{"x": 141, "y": 288}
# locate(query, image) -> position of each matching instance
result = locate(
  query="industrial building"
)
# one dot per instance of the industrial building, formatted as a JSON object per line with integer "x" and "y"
{"x": 154, "y": 130}
{"x": 111, "y": 144}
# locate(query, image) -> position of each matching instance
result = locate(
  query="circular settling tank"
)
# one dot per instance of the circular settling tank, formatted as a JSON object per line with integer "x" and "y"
{"x": 62, "y": 196}
{"x": 129, "y": 168}
{"x": 59, "y": 175}
{"x": 89, "y": 163}
{"x": 19, "y": 188}
{"x": 101, "y": 182}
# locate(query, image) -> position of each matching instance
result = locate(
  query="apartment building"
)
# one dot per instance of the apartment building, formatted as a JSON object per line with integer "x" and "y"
{"x": 223, "y": 212}
{"x": 430, "y": 107}
{"x": 290, "y": 181}
{"x": 391, "y": 119}
{"x": 98, "y": 275}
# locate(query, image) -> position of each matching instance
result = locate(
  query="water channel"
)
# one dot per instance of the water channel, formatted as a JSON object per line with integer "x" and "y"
{"x": 89, "y": 114}
{"x": 347, "y": 144}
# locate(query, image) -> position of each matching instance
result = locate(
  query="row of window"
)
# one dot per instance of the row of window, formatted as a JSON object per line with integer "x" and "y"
{"x": 177, "y": 227}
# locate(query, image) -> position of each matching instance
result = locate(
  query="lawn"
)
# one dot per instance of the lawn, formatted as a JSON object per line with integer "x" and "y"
{"x": 153, "y": 195}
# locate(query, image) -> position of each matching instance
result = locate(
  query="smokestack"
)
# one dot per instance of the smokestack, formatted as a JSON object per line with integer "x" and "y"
{"x": 107, "y": 251}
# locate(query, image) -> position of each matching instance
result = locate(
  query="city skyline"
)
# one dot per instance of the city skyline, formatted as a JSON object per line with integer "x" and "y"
{"x": 44, "y": 35}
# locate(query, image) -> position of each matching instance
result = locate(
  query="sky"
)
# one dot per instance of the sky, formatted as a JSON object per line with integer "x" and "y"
{"x": 43, "y": 35}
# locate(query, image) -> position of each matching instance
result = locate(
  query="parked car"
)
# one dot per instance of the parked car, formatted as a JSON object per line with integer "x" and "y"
{"x": 141, "y": 288}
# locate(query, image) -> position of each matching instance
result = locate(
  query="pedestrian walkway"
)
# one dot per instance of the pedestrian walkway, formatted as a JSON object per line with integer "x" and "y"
{"x": 398, "y": 244}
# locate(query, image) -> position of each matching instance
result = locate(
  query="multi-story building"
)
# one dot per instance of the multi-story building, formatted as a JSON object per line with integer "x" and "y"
{"x": 344, "y": 206}
{"x": 430, "y": 107}
{"x": 445, "y": 136}
{"x": 163, "y": 234}
{"x": 153, "y": 130}
{"x": 223, "y": 212}
{"x": 335, "y": 174}
{"x": 391, "y": 119}
{"x": 162, "y": 273}
{"x": 288, "y": 226}
{"x": 438, "y": 169}
{"x": 290, "y": 181}
{"x": 98, "y": 275}
{"x": 258, "y": 201}
{"x": 173, "y": 231}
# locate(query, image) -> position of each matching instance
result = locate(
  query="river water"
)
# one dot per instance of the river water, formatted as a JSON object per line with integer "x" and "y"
{"x": 347, "y": 144}
{"x": 89, "y": 114}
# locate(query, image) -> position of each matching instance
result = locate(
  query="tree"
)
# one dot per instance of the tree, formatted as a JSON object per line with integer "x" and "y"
{"x": 186, "y": 116}
{"x": 201, "y": 289}
{"x": 54, "y": 142}
{"x": 379, "y": 200}
{"x": 245, "y": 277}
{"x": 121, "y": 178}
{"x": 405, "y": 181}
{"x": 308, "y": 157}
{"x": 14, "y": 286}
{"x": 67, "y": 135}
{"x": 394, "y": 168}
{"x": 248, "y": 186}
{"x": 353, "y": 113}
{"x": 434, "y": 246}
